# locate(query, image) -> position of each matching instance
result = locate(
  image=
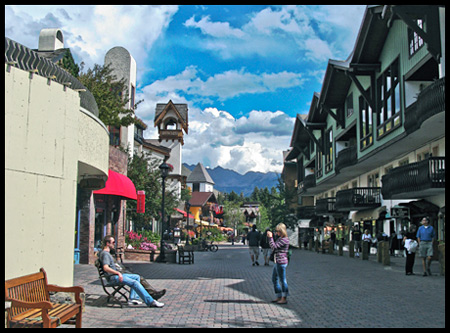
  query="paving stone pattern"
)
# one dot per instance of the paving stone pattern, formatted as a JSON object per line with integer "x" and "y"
{"x": 223, "y": 289}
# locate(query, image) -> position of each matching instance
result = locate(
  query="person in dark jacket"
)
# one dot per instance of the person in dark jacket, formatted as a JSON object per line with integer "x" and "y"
{"x": 265, "y": 246}
{"x": 253, "y": 238}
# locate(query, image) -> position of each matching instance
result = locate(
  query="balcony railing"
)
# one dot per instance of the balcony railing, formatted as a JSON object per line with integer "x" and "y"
{"x": 305, "y": 212}
{"x": 358, "y": 198}
{"x": 325, "y": 206}
{"x": 346, "y": 157}
{"x": 416, "y": 177}
{"x": 308, "y": 182}
{"x": 430, "y": 102}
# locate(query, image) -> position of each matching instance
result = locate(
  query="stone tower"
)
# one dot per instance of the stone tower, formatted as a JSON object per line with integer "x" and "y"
{"x": 123, "y": 66}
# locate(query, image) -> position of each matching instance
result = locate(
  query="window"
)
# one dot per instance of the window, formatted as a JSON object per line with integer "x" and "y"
{"x": 373, "y": 180}
{"x": 366, "y": 137}
{"x": 389, "y": 106}
{"x": 349, "y": 105}
{"x": 329, "y": 151}
{"x": 114, "y": 136}
{"x": 319, "y": 157}
{"x": 415, "y": 41}
{"x": 132, "y": 99}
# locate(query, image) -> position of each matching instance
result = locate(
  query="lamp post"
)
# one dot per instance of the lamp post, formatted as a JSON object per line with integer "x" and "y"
{"x": 164, "y": 172}
{"x": 188, "y": 208}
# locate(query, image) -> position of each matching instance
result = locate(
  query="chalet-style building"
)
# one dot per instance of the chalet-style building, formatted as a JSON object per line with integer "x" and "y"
{"x": 371, "y": 151}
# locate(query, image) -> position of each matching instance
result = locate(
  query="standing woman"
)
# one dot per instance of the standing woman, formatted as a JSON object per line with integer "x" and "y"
{"x": 280, "y": 247}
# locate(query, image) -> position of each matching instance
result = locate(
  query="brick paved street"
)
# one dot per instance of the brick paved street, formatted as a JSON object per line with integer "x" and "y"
{"x": 223, "y": 289}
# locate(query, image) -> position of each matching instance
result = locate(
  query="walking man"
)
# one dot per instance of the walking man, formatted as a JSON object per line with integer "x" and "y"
{"x": 253, "y": 238}
{"x": 425, "y": 236}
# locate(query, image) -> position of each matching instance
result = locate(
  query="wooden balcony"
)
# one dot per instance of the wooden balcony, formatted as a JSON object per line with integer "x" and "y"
{"x": 346, "y": 157}
{"x": 430, "y": 102}
{"x": 415, "y": 180}
{"x": 358, "y": 198}
{"x": 325, "y": 206}
{"x": 305, "y": 212}
{"x": 308, "y": 182}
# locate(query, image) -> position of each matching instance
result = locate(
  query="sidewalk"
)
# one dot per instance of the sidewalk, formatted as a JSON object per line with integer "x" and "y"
{"x": 223, "y": 289}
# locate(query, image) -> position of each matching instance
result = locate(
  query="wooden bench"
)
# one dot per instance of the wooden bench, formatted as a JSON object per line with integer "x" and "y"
{"x": 116, "y": 289}
{"x": 31, "y": 306}
{"x": 185, "y": 254}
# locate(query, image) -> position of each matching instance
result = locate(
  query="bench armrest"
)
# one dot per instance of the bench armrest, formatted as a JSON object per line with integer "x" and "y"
{"x": 30, "y": 305}
{"x": 77, "y": 290}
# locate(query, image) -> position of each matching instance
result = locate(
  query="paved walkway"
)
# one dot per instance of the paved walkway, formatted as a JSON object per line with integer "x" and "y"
{"x": 223, "y": 289}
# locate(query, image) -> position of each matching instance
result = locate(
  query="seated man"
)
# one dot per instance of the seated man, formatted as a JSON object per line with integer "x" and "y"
{"x": 131, "y": 280}
{"x": 152, "y": 291}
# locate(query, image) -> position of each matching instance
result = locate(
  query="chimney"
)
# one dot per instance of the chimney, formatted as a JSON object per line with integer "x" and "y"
{"x": 51, "y": 40}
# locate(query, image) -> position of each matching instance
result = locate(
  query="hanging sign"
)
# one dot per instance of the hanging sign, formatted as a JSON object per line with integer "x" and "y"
{"x": 140, "y": 208}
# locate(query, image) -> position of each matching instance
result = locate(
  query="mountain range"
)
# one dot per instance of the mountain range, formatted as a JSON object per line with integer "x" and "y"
{"x": 228, "y": 180}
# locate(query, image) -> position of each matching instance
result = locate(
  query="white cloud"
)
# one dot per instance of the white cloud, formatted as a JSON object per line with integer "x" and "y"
{"x": 90, "y": 31}
{"x": 308, "y": 31}
{"x": 215, "y": 29}
{"x": 224, "y": 85}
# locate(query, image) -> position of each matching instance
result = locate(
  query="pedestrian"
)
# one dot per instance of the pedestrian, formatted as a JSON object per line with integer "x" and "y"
{"x": 333, "y": 239}
{"x": 265, "y": 247}
{"x": 410, "y": 248}
{"x": 425, "y": 236}
{"x": 281, "y": 248}
{"x": 114, "y": 277}
{"x": 366, "y": 237}
{"x": 253, "y": 238}
{"x": 356, "y": 236}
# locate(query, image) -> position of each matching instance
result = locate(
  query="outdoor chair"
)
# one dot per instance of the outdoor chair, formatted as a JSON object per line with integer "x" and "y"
{"x": 116, "y": 289}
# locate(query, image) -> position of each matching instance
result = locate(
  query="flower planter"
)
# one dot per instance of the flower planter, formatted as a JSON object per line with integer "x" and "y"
{"x": 141, "y": 255}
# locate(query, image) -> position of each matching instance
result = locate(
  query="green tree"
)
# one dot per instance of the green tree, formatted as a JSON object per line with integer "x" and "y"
{"x": 143, "y": 170}
{"x": 110, "y": 94}
{"x": 69, "y": 64}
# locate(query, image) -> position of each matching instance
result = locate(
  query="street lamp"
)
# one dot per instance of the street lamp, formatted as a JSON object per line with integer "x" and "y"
{"x": 164, "y": 172}
{"x": 188, "y": 208}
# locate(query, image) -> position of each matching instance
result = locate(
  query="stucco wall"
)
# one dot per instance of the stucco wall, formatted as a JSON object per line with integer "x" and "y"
{"x": 42, "y": 153}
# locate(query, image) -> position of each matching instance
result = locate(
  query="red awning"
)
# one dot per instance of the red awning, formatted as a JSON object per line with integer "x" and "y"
{"x": 120, "y": 185}
{"x": 184, "y": 213}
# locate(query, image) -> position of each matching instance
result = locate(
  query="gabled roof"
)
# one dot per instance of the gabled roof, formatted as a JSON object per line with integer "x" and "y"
{"x": 199, "y": 175}
{"x": 199, "y": 199}
{"x": 181, "y": 110}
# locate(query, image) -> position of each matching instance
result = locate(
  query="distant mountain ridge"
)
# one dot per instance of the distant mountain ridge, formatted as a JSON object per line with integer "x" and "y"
{"x": 228, "y": 180}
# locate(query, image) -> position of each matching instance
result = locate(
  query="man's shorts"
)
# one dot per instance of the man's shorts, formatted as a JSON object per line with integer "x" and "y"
{"x": 254, "y": 250}
{"x": 425, "y": 249}
{"x": 266, "y": 252}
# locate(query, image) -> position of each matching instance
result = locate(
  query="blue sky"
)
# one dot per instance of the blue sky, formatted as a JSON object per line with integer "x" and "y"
{"x": 245, "y": 71}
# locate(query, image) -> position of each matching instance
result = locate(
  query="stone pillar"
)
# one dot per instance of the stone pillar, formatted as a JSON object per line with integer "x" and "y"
{"x": 351, "y": 249}
{"x": 380, "y": 251}
{"x": 386, "y": 257}
{"x": 365, "y": 250}
{"x": 442, "y": 258}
